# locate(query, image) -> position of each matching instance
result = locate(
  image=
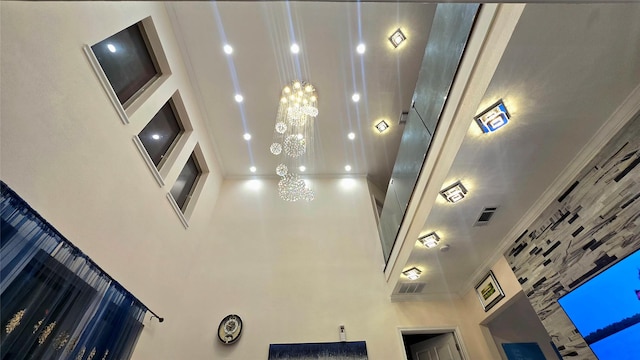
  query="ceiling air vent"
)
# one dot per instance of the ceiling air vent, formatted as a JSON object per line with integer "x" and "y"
{"x": 403, "y": 117}
{"x": 411, "y": 288}
{"x": 485, "y": 216}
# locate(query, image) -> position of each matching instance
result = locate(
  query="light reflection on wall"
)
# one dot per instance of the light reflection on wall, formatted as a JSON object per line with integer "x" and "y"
{"x": 254, "y": 184}
{"x": 348, "y": 183}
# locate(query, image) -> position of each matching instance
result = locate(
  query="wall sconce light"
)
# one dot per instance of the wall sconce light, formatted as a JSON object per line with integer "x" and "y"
{"x": 430, "y": 240}
{"x": 382, "y": 126}
{"x": 413, "y": 273}
{"x": 454, "y": 193}
{"x": 397, "y": 38}
{"x": 492, "y": 119}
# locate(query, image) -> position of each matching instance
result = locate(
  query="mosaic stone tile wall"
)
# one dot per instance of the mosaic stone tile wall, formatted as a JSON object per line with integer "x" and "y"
{"x": 593, "y": 223}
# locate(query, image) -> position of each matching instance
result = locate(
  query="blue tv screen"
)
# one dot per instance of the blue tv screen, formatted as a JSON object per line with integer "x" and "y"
{"x": 606, "y": 310}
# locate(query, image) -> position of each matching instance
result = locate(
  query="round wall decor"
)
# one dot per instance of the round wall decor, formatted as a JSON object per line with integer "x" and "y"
{"x": 230, "y": 329}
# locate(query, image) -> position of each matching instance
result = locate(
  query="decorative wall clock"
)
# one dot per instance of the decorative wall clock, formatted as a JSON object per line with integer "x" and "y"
{"x": 230, "y": 329}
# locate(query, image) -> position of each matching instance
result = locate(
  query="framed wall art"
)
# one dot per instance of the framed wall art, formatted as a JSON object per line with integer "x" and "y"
{"x": 489, "y": 291}
{"x": 355, "y": 350}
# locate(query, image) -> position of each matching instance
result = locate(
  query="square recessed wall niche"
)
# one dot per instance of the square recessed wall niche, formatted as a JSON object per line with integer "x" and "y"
{"x": 130, "y": 65}
{"x": 164, "y": 136}
{"x": 188, "y": 186}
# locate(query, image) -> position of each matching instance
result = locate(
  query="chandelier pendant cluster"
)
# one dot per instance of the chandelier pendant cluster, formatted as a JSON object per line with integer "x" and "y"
{"x": 293, "y": 137}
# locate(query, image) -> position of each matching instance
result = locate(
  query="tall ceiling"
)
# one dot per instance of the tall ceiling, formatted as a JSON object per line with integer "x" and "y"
{"x": 261, "y": 64}
{"x": 564, "y": 72}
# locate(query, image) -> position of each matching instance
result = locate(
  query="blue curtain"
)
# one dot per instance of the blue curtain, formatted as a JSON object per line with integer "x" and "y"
{"x": 56, "y": 303}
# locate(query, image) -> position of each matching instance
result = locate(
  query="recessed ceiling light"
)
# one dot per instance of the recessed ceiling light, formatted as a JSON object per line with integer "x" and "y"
{"x": 454, "y": 193}
{"x": 227, "y": 49}
{"x": 361, "y": 48}
{"x": 413, "y": 273}
{"x": 348, "y": 167}
{"x": 111, "y": 48}
{"x": 492, "y": 119}
{"x": 351, "y": 136}
{"x": 430, "y": 240}
{"x": 252, "y": 169}
{"x": 397, "y": 38}
{"x": 302, "y": 168}
{"x": 155, "y": 137}
{"x": 238, "y": 98}
{"x": 295, "y": 48}
{"x": 382, "y": 126}
{"x": 355, "y": 97}
{"x": 247, "y": 136}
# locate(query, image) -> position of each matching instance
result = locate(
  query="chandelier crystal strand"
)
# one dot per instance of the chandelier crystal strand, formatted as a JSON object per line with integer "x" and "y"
{"x": 282, "y": 170}
{"x": 293, "y": 138}
{"x": 276, "y": 148}
{"x": 295, "y": 145}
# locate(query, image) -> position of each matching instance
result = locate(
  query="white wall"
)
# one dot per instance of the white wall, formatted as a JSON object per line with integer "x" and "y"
{"x": 294, "y": 272}
{"x": 477, "y": 319}
{"x": 519, "y": 323}
{"x": 67, "y": 153}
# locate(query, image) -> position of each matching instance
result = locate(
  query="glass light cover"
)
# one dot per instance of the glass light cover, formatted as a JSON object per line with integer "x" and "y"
{"x": 492, "y": 119}
{"x": 413, "y": 273}
{"x": 382, "y": 126}
{"x": 397, "y": 38}
{"x": 454, "y": 193}
{"x": 430, "y": 240}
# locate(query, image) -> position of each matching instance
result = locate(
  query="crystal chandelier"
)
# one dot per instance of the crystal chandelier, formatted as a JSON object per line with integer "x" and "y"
{"x": 293, "y": 137}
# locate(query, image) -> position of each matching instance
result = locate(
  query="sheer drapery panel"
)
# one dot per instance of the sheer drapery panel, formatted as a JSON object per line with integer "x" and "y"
{"x": 55, "y": 302}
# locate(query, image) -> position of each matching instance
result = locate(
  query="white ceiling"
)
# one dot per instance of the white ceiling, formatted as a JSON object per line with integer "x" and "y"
{"x": 564, "y": 72}
{"x": 261, "y": 65}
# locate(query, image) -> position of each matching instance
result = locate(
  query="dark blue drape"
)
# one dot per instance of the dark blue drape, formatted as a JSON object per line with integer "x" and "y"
{"x": 55, "y": 302}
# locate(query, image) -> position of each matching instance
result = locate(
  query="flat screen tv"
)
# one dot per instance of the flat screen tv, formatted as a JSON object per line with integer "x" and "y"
{"x": 606, "y": 310}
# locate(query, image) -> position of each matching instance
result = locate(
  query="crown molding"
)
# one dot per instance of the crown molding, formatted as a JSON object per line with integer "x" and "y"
{"x": 620, "y": 117}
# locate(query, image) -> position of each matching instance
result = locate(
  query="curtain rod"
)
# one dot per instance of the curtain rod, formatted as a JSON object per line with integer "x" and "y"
{"x": 15, "y": 196}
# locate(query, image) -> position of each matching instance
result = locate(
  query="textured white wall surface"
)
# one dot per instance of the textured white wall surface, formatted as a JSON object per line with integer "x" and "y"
{"x": 294, "y": 272}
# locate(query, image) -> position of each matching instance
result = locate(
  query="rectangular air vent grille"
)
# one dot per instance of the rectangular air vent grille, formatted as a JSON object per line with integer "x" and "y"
{"x": 403, "y": 117}
{"x": 412, "y": 288}
{"x": 485, "y": 216}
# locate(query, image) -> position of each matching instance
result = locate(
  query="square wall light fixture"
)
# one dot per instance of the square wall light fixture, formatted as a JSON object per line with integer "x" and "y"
{"x": 382, "y": 126}
{"x": 454, "y": 193}
{"x": 430, "y": 240}
{"x": 492, "y": 119}
{"x": 413, "y": 273}
{"x": 397, "y": 38}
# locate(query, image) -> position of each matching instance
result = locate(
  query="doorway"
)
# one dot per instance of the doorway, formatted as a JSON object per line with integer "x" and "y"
{"x": 431, "y": 344}
{"x": 517, "y": 324}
